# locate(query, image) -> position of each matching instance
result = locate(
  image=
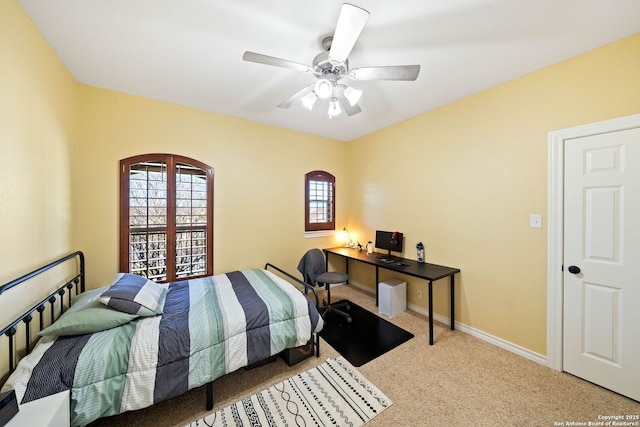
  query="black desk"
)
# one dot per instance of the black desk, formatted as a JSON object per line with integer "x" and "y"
{"x": 426, "y": 271}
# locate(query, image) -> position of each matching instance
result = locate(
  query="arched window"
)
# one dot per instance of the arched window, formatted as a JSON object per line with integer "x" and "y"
{"x": 319, "y": 198}
{"x": 166, "y": 217}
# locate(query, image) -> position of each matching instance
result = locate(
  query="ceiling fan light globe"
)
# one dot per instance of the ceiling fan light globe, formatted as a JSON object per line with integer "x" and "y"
{"x": 308, "y": 100}
{"x": 352, "y": 95}
{"x": 323, "y": 88}
{"x": 334, "y": 108}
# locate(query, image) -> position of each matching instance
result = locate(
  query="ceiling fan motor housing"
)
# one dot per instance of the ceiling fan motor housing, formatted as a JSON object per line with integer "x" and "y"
{"x": 323, "y": 66}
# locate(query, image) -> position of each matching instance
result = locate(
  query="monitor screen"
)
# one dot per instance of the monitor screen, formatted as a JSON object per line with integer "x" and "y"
{"x": 389, "y": 240}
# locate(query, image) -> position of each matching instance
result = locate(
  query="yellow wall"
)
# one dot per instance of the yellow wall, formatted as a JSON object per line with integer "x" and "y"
{"x": 38, "y": 112}
{"x": 258, "y": 181}
{"x": 463, "y": 179}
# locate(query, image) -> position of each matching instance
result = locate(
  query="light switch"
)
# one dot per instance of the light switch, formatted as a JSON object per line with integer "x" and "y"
{"x": 535, "y": 221}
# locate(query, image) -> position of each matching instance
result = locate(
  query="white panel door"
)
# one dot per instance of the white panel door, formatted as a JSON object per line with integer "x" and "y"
{"x": 601, "y": 336}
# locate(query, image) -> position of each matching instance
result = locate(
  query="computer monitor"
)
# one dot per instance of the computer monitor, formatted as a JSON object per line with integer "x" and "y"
{"x": 390, "y": 241}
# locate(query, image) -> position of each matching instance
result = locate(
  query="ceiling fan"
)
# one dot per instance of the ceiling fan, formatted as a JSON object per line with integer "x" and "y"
{"x": 332, "y": 66}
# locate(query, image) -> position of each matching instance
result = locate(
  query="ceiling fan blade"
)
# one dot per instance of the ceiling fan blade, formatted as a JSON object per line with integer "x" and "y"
{"x": 350, "y": 24}
{"x": 391, "y": 72}
{"x": 276, "y": 62}
{"x": 299, "y": 95}
{"x": 346, "y": 105}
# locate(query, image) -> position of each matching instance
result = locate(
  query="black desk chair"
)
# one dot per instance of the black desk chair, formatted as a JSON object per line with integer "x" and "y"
{"x": 314, "y": 272}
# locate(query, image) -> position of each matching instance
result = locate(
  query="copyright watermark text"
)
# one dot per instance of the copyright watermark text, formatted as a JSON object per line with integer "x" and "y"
{"x": 604, "y": 421}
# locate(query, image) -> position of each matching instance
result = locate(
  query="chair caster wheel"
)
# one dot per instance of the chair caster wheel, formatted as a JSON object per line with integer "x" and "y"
{"x": 349, "y": 319}
{"x": 348, "y": 307}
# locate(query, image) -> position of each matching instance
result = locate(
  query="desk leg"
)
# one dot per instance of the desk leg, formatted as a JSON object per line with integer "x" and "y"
{"x": 430, "y": 312}
{"x": 377, "y": 281}
{"x": 453, "y": 306}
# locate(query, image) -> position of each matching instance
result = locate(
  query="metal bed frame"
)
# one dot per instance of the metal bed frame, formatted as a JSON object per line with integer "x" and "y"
{"x": 78, "y": 281}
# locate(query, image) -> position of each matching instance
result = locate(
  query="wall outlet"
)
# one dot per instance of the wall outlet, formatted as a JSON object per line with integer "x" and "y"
{"x": 535, "y": 221}
{"x": 419, "y": 293}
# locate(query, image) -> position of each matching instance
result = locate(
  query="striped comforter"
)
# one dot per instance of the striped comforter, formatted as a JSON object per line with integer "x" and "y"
{"x": 210, "y": 327}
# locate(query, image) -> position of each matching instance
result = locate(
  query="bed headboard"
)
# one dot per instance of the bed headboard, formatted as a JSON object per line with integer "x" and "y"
{"x": 77, "y": 281}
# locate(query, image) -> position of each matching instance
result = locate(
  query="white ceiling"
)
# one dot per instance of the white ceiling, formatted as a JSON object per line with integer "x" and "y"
{"x": 189, "y": 52}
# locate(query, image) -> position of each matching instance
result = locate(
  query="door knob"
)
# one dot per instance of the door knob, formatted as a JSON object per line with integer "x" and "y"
{"x": 574, "y": 269}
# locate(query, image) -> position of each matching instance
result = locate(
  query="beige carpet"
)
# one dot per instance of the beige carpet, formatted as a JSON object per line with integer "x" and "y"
{"x": 459, "y": 381}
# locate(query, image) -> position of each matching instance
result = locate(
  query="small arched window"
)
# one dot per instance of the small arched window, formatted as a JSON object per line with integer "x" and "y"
{"x": 319, "y": 197}
{"x": 166, "y": 217}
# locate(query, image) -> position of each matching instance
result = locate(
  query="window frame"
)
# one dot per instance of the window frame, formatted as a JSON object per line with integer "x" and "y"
{"x": 171, "y": 161}
{"x": 323, "y": 176}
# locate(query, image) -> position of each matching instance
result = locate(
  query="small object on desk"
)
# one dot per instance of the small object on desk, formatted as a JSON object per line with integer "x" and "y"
{"x": 8, "y": 406}
{"x": 400, "y": 264}
{"x": 420, "y": 249}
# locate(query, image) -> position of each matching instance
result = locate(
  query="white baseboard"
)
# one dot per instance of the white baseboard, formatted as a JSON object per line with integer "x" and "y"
{"x": 499, "y": 342}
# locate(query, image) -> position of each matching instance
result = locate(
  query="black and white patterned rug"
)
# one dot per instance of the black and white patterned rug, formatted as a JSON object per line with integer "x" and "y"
{"x": 333, "y": 393}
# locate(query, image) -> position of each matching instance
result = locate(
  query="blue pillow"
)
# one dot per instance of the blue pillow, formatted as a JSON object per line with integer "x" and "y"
{"x": 133, "y": 294}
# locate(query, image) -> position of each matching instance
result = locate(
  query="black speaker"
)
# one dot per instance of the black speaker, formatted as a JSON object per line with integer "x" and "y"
{"x": 8, "y": 406}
